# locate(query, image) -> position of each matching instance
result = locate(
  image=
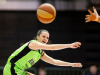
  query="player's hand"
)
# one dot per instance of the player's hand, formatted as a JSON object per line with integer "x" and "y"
{"x": 76, "y": 65}
{"x": 93, "y": 15}
{"x": 75, "y": 45}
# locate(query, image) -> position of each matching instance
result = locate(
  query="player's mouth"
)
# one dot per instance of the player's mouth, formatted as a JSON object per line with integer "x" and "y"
{"x": 44, "y": 42}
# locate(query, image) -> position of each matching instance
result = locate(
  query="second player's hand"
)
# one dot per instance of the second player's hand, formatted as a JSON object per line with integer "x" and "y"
{"x": 75, "y": 45}
{"x": 93, "y": 16}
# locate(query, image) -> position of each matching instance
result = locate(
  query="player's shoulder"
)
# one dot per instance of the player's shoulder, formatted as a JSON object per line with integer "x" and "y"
{"x": 32, "y": 41}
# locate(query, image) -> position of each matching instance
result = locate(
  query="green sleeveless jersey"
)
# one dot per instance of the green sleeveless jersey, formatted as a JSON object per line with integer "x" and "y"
{"x": 24, "y": 57}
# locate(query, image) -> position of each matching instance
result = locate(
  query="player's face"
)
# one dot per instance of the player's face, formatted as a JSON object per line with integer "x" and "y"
{"x": 44, "y": 37}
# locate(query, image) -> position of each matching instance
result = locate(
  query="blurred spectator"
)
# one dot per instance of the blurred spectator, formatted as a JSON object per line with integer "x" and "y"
{"x": 42, "y": 71}
{"x": 93, "y": 70}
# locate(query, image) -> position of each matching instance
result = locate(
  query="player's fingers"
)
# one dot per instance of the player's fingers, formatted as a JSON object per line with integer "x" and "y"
{"x": 95, "y": 11}
{"x": 79, "y": 43}
{"x": 76, "y": 46}
{"x": 87, "y": 18}
{"x": 87, "y": 21}
{"x": 80, "y": 65}
{"x": 88, "y": 15}
{"x": 90, "y": 12}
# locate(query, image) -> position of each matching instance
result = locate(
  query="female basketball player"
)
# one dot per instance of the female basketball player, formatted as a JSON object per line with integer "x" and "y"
{"x": 93, "y": 16}
{"x": 29, "y": 53}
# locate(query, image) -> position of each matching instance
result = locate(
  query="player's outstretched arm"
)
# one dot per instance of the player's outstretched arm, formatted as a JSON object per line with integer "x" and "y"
{"x": 93, "y": 16}
{"x": 50, "y": 60}
{"x": 37, "y": 45}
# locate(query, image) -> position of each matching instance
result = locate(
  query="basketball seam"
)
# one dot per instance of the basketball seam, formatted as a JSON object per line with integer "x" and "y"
{"x": 47, "y": 12}
{"x": 45, "y": 18}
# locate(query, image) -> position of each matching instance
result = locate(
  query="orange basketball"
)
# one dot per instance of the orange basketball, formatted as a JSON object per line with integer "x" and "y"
{"x": 46, "y": 13}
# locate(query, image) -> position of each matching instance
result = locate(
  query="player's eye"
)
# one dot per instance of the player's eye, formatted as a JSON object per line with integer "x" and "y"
{"x": 43, "y": 36}
{"x": 47, "y": 38}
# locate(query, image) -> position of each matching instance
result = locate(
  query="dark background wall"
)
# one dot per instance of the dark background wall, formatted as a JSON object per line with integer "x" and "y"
{"x": 18, "y": 27}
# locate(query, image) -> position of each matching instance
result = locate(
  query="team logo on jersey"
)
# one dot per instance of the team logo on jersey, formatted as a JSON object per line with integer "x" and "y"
{"x": 31, "y": 61}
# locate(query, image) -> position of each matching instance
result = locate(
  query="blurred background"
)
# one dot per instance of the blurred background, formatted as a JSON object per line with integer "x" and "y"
{"x": 19, "y": 24}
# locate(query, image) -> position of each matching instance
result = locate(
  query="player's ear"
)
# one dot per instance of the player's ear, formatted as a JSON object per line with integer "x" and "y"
{"x": 37, "y": 37}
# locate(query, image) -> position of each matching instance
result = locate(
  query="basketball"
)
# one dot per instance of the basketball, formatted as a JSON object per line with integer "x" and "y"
{"x": 46, "y": 13}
